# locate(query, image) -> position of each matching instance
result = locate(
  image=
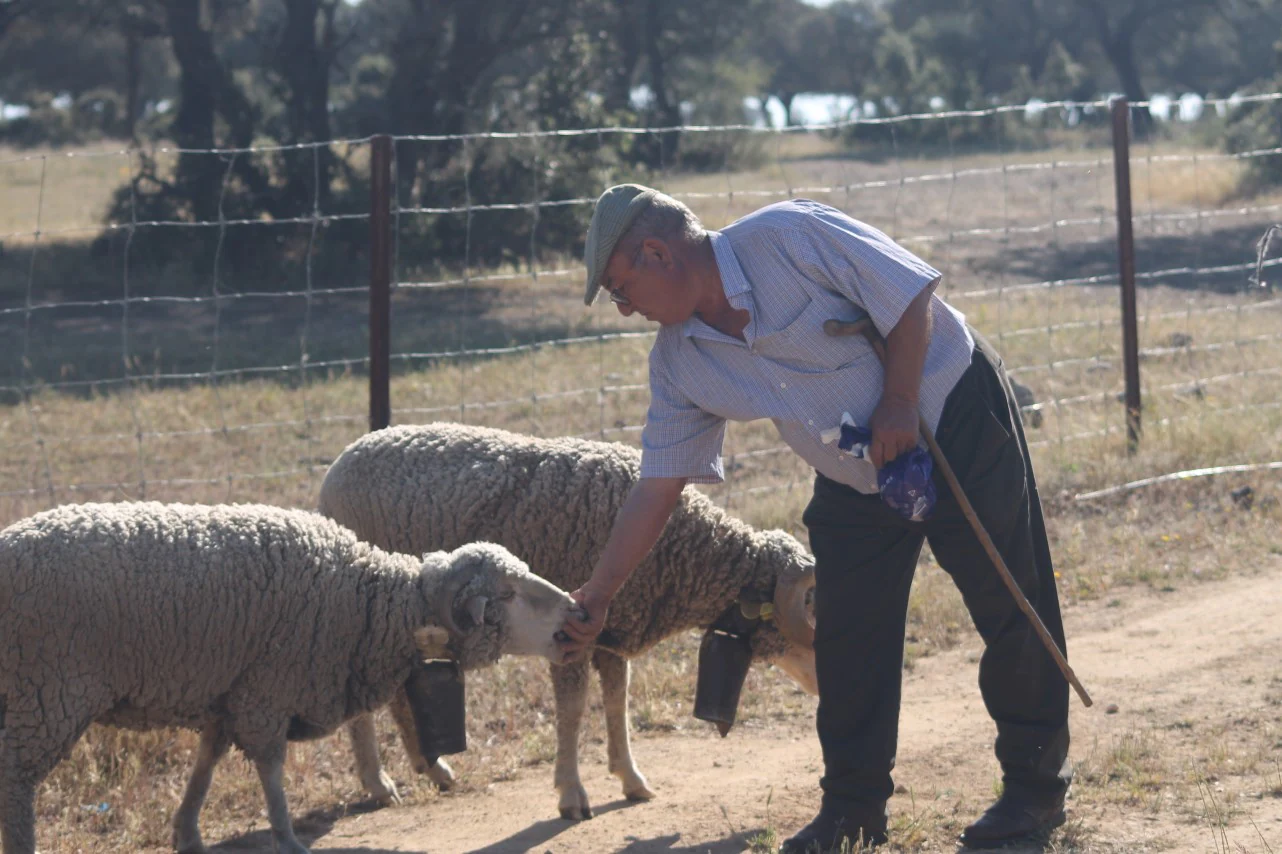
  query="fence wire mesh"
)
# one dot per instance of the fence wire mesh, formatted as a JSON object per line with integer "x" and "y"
{"x": 233, "y": 368}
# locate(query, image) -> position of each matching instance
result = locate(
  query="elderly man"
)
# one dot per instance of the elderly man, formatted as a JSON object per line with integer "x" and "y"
{"x": 741, "y": 315}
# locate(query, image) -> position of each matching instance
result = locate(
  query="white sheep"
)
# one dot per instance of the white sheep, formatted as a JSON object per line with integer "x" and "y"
{"x": 553, "y": 502}
{"x": 256, "y": 625}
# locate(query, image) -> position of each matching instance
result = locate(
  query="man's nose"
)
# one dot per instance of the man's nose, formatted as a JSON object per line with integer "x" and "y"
{"x": 624, "y": 309}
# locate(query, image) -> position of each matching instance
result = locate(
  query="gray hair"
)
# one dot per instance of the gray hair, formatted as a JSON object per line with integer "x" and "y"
{"x": 666, "y": 219}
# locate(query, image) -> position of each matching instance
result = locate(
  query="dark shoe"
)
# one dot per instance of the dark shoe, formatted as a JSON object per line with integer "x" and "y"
{"x": 835, "y": 827}
{"x": 1013, "y": 818}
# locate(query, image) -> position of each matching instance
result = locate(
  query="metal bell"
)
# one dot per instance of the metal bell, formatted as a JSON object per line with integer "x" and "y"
{"x": 723, "y": 666}
{"x": 436, "y": 698}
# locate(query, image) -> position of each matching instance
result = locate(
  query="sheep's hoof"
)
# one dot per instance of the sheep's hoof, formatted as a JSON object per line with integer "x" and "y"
{"x": 189, "y": 843}
{"x": 385, "y": 793}
{"x": 635, "y": 788}
{"x": 440, "y": 773}
{"x": 575, "y": 805}
{"x": 638, "y": 793}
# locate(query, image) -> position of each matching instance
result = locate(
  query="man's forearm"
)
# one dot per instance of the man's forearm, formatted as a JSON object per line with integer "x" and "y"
{"x": 636, "y": 529}
{"x": 906, "y": 347}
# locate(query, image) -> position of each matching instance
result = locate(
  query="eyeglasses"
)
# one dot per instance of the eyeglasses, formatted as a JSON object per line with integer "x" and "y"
{"x": 616, "y": 294}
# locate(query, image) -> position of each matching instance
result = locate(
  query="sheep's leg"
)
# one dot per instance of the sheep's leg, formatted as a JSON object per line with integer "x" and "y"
{"x": 570, "y": 686}
{"x": 17, "y": 811}
{"x": 271, "y": 772}
{"x": 614, "y": 671}
{"x": 438, "y": 770}
{"x": 32, "y": 742}
{"x": 368, "y": 765}
{"x": 213, "y": 746}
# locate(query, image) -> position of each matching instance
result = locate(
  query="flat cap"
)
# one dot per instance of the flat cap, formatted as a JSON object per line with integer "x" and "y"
{"x": 614, "y": 214}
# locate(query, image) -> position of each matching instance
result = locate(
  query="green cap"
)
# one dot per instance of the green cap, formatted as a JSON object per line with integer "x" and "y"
{"x": 615, "y": 212}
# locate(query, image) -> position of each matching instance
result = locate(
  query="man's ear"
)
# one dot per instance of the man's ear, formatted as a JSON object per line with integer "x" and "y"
{"x": 658, "y": 250}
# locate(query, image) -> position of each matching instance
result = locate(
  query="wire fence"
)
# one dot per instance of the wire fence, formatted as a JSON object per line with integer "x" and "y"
{"x": 215, "y": 376}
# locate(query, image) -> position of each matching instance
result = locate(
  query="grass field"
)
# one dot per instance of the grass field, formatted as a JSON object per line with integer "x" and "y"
{"x": 232, "y": 400}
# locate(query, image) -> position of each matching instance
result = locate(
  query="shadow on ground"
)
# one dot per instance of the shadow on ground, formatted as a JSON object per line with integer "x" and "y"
{"x": 79, "y": 332}
{"x": 309, "y": 828}
{"x": 1213, "y": 247}
{"x": 542, "y": 832}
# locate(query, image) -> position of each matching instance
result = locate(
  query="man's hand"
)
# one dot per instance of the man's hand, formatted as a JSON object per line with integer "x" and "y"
{"x": 894, "y": 426}
{"x": 578, "y": 634}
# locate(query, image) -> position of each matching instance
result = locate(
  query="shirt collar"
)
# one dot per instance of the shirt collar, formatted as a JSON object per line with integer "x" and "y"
{"x": 737, "y": 290}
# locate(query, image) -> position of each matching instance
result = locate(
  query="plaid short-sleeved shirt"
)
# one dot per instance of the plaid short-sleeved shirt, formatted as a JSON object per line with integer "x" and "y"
{"x": 792, "y": 266}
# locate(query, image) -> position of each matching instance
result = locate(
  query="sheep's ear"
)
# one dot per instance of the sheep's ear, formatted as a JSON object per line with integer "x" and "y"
{"x": 433, "y": 642}
{"x": 476, "y": 609}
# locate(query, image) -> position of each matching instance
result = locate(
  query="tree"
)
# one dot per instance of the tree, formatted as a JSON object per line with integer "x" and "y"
{"x": 445, "y": 58}
{"x": 120, "y": 66}
{"x": 207, "y": 91}
{"x": 988, "y": 47}
{"x": 11, "y": 11}
{"x": 307, "y": 47}
{"x": 1118, "y": 27}
{"x": 799, "y": 46}
{"x": 1225, "y": 53}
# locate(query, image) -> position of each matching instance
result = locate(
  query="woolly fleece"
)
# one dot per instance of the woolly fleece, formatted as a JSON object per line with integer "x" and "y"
{"x": 149, "y": 615}
{"x": 553, "y": 502}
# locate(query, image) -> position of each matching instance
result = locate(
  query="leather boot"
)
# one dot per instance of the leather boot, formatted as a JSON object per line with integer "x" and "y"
{"x": 1015, "y": 816}
{"x": 837, "y": 825}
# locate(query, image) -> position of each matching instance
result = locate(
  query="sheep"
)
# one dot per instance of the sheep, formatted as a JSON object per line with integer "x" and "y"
{"x": 255, "y": 625}
{"x": 553, "y": 501}
{"x": 1030, "y": 409}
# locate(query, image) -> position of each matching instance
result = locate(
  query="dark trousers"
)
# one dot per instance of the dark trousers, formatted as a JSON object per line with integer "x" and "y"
{"x": 865, "y": 555}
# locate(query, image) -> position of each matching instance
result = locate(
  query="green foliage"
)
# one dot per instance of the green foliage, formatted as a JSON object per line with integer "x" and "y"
{"x": 1254, "y": 127}
{"x": 244, "y": 73}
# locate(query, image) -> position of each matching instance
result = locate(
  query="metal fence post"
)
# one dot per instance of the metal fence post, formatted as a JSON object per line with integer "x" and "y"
{"x": 1126, "y": 266}
{"x": 380, "y": 282}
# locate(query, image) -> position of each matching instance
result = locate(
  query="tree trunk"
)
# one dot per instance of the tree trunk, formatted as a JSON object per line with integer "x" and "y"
{"x": 205, "y": 87}
{"x": 668, "y": 108}
{"x": 618, "y": 92}
{"x": 786, "y": 98}
{"x": 133, "y": 82}
{"x": 1118, "y": 44}
{"x": 764, "y": 101}
{"x": 1121, "y": 53}
{"x": 198, "y": 176}
{"x": 305, "y": 66}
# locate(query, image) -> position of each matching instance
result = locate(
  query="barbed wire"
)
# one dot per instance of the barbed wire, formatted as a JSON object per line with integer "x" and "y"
{"x": 611, "y": 405}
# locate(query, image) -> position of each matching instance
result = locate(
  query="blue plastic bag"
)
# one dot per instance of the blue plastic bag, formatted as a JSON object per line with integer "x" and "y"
{"x": 905, "y": 483}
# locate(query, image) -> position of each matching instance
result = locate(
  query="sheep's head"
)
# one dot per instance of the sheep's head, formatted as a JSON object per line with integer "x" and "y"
{"x": 788, "y": 637}
{"x": 491, "y": 605}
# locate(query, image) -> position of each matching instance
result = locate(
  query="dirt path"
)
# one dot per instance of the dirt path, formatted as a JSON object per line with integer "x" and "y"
{"x": 1192, "y": 672}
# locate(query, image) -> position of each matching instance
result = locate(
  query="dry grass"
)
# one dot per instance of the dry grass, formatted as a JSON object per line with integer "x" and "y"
{"x": 1209, "y": 400}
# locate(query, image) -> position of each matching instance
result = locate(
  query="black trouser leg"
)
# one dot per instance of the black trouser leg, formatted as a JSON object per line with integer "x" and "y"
{"x": 865, "y": 556}
{"x": 1023, "y": 690}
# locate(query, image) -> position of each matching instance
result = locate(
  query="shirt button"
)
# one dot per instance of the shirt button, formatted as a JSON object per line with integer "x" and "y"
{"x": 783, "y": 385}
{"x": 811, "y": 423}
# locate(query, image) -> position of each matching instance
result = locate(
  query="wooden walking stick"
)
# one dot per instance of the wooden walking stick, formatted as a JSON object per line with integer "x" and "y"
{"x": 865, "y": 328}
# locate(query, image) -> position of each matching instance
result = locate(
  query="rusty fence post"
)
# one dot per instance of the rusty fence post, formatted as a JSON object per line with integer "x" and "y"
{"x": 380, "y": 282}
{"x": 1121, "y": 109}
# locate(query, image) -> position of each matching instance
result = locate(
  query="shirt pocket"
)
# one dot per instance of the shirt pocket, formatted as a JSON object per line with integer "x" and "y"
{"x": 803, "y": 345}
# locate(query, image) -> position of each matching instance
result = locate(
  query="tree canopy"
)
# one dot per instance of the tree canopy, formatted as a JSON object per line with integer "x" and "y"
{"x": 238, "y": 73}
